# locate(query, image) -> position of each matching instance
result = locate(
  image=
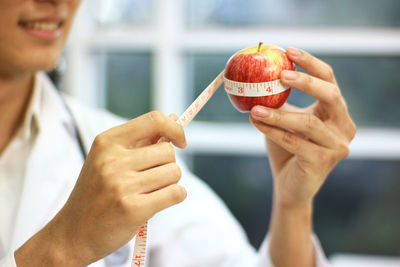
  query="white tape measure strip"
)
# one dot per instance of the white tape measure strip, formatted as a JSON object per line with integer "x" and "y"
{"x": 254, "y": 89}
{"x": 139, "y": 252}
{"x": 201, "y": 100}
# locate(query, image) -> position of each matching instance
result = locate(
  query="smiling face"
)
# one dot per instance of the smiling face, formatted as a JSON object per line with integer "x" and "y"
{"x": 33, "y": 33}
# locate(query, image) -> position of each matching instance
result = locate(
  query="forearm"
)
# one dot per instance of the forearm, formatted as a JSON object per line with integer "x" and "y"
{"x": 49, "y": 247}
{"x": 290, "y": 236}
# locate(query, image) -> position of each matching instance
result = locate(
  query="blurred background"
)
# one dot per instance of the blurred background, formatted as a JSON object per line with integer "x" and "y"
{"x": 133, "y": 56}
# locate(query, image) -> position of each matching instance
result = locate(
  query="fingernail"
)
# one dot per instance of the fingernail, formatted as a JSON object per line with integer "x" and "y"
{"x": 260, "y": 111}
{"x": 294, "y": 52}
{"x": 289, "y": 75}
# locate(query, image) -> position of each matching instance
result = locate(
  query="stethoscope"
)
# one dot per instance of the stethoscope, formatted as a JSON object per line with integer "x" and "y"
{"x": 76, "y": 133}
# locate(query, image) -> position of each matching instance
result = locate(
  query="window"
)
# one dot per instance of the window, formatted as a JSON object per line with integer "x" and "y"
{"x": 255, "y": 13}
{"x": 168, "y": 51}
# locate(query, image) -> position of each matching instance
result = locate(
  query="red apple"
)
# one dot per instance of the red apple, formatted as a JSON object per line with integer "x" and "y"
{"x": 252, "y": 77}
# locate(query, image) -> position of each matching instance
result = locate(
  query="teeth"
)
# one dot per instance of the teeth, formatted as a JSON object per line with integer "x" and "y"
{"x": 42, "y": 26}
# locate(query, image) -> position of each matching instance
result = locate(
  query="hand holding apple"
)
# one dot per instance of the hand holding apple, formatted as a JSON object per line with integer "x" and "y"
{"x": 252, "y": 77}
{"x": 304, "y": 144}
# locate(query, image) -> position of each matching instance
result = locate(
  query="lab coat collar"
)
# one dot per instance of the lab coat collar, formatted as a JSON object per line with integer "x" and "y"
{"x": 30, "y": 124}
{"x": 52, "y": 168}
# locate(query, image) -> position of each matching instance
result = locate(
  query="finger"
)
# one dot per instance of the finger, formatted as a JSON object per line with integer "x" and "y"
{"x": 174, "y": 117}
{"x": 308, "y": 125}
{"x": 276, "y": 155}
{"x": 151, "y": 156}
{"x": 164, "y": 139}
{"x": 287, "y": 140}
{"x": 155, "y": 178}
{"x": 148, "y": 126}
{"x": 290, "y": 108}
{"x": 311, "y": 64}
{"x": 155, "y": 139}
{"x": 326, "y": 92}
{"x": 165, "y": 198}
{"x": 147, "y": 141}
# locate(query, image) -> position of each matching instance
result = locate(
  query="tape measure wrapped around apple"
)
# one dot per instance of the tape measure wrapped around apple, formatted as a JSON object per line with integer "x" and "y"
{"x": 252, "y": 77}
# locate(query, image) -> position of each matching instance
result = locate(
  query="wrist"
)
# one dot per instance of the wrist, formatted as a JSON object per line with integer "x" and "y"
{"x": 292, "y": 198}
{"x": 290, "y": 233}
{"x": 298, "y": 207}
{"x": 293, "y": 209}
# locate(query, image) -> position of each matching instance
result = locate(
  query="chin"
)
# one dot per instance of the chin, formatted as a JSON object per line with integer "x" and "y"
{"x": 48, "y": 66}
{"x": 43, "y": 62}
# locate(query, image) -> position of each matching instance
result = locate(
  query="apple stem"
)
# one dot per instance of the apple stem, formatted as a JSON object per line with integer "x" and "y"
{"x": 259, "y": 46}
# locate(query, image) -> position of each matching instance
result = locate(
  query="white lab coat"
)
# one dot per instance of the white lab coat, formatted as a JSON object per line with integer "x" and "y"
{"x": 199, "y": 232}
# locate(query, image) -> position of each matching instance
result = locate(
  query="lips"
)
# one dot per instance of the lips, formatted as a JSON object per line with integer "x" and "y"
{"x": 49, "y": 29}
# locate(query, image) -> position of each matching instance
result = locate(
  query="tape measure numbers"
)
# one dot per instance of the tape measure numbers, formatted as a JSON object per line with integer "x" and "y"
{"x": 254, "y": 89}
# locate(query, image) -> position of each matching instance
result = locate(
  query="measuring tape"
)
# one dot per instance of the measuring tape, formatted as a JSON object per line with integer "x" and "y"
{"x": 254, "y": 89}
{"x": 139, "y": 252}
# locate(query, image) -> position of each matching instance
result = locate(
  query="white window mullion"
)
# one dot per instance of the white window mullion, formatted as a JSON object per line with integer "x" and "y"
{"x": 81, "y": 79}
{"x": 354, "y": 41}
{"x": 244, "y": 139}
{"x": 365, "y": 41}
{"x": 168, "y": 67}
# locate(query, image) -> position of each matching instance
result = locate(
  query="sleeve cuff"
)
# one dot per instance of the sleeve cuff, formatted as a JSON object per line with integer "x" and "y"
{"x": 320, "y": 258}
{"x": 8, "y": 260}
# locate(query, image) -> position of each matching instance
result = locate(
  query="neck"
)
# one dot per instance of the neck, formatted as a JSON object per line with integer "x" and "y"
{"x": 14, "y": 97}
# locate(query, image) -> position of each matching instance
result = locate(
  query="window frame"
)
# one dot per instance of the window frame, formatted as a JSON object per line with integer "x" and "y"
{"x": 168, "y": 39}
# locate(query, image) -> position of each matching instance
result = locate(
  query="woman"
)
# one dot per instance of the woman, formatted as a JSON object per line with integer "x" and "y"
{"x": 59, "y": 212}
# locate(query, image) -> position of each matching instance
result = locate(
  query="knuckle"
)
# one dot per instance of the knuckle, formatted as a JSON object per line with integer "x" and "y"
{"x": 288, "y": 138}
{"x": 291, "y": 141}
{"x": 335, "y": 94}
{"x": 123, "y": 205}
{"x": 353, "y": 130}
{"x": 330, "y": 74}
{"x": 276, "y": 117}
{"x": 178, "y": 193}
{"x": 310, "y": 122}
{"x": 176, "y": 172}
{"x": 169, "y": 150}
{"x": 343, "y": 150}
{"x": 101, "y": 141}
{"x": 157, "y": 117}
{"x": 326, "y": 158}
{"x": 103, "y": 171}
{"x": 307, "y": 79}
{"x": 138, "y": 182}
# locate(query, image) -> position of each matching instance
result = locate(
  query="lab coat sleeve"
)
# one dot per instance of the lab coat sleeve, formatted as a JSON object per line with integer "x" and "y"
{"x": 320, "y": 258}
{"x": 202, "y": 232}
{"x": 8, "y": 260}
